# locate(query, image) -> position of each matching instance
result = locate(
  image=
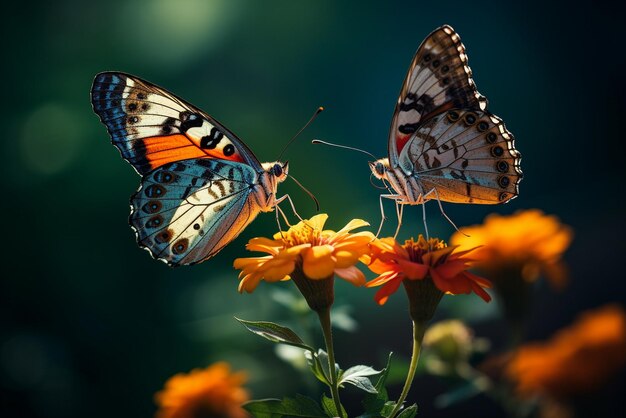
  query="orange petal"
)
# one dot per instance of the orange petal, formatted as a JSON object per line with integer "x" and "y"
{"x": 352, "y": 275}
{"x": 318, "y": 262}
{"x": 387, "y": 290}
{"x": 455, "y": 285}
{"x": 265, "y": 245}
{"x": 383, "y": 278}
{"x": 413, "y": 270}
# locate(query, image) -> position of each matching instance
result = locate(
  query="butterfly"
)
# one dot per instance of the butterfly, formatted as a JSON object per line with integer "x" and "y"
{"x": 200, "y": 186}
{"x": 444, "y": 144}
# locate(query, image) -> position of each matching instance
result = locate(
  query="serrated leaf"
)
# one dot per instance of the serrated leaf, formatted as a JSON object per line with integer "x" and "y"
{"x": 357, "y": 376}
{"x": 318, "y": 369}
{"x": 275, "y": 333}
{"x": 331, "y": 410}
{"x": 300, "y": 406}
{"x": 409, "y": 412}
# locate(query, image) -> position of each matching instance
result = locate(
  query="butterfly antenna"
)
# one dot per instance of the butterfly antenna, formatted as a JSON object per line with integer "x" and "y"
{"x": 319, "y": 141}
{"x": 307, "y": 191}
{"x": 317, "y": 112}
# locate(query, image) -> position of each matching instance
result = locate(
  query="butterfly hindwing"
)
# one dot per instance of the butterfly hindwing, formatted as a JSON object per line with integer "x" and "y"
{"x": 185, "y": 212}
{"x": 152, "y": 127}
{"x": 468, "y": 156}
{"x": 438, "y": 79}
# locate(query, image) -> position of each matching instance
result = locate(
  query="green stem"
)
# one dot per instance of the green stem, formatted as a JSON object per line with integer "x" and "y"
{"x": 419, "y": 327}
{"x": 324, "y": 315}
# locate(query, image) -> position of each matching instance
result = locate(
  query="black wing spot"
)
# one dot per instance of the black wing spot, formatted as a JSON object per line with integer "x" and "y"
{"x": 497, "y": 151}
{"x": 163, "y": 237}
{"x": 453, "y": 116}
{"x": 152, "y": 206}
{"x": 504, "y": 181}
{"x": 503, "y": 196}
{"x": 155, "y": 190}
{"x": 163, "y": 177}
{"x": 180, "y": 246}
{"x": 470, "y": 118}
{"x": 190, "y": 120}
{"x": 154, "y": 222}
{"x": 483, "y": 126}
{"x": 408, "y": 128}
{"x": 211, "y": 140}
{"x": 229, "y": 150}
{"x": 502, "y": 166}
{"x": 491, "y": 137}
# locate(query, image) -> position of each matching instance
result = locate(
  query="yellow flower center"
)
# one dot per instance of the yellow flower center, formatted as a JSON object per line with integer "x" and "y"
{"x": 417, "y": 249}
{"x": 301, "y": 234}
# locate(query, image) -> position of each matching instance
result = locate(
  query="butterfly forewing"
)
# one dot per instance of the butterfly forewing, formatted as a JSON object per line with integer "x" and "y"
{"x": 184, "y": 212}
{"x": 438, "y": 79}
{"x": 468, "y": 156}
{"x": 152, "y": 127}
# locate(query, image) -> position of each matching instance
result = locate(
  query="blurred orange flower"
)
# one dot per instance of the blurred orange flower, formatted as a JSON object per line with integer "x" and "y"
{"x": 528, "y": 241}
{"x": 577, "y": 360}
{"x": 320, "y": 253}
{"x": 421, "y": 259}
{"x": 210, "y": 392}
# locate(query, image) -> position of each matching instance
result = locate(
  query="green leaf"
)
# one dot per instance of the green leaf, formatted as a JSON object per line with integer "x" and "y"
{"x": 300, "y": 406}
{"x": 331, "y": 410}
{"x": 383, "y": 411}
{"x": 374, "y": 403}
{"x": 357, "y": 376}
{"x": 409, "y": 412}
{"x": 380, "y": 384}
{"x": 275, "y": 333}
{"x": 317, "y": 367}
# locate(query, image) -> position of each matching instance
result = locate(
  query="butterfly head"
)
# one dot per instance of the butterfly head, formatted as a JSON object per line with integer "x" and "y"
{"x": 278, "y": 170}
{"x": 380, "y": 167}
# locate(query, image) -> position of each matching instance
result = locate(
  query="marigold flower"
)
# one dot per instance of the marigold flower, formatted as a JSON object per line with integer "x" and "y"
{"x": 422, "y": 261}
{"x": 210, "y": 392}
{"x": 528, "y": 242}
{"x": 307, "y": 253}
{"x": 577, "y": 360}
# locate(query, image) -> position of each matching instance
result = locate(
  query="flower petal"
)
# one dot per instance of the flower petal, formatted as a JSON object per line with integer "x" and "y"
{"x": 352, "y": 275}
{"x": 387, "y": 290}
{"x": 318, "y": 262}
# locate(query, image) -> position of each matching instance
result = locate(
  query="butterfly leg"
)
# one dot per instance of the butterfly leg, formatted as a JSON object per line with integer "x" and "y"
{"x": 399, "y": 211}
{"x": 424, "y": 220}
{"x": 444, "y": 213}
{"x": 382, "y": 214}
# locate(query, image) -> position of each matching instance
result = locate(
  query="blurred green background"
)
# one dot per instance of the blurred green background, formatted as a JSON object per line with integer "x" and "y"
{"x": 90, "y": 325}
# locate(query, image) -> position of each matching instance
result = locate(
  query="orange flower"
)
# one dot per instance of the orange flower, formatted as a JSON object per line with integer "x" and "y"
{"x": 320, "y": 254}
{"x": 210, "y": 392}
{"x": 576, "y": 360}
{"x": 419, "y": 260}
{"x": 527, "y": 242}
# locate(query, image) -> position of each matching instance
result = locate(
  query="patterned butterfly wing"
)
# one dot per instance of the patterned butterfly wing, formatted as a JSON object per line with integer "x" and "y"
{"x": 468, "y": 156}
{"x": 152, "y": 127}
{"x": 201, "y": 185}
{"x": 438, "y": 79}
{"x": 187, "y": 211}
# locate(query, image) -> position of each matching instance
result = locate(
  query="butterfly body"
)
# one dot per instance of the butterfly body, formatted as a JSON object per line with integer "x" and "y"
{"x": 201, "y": 186}
{"x": 444, "y": 144}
